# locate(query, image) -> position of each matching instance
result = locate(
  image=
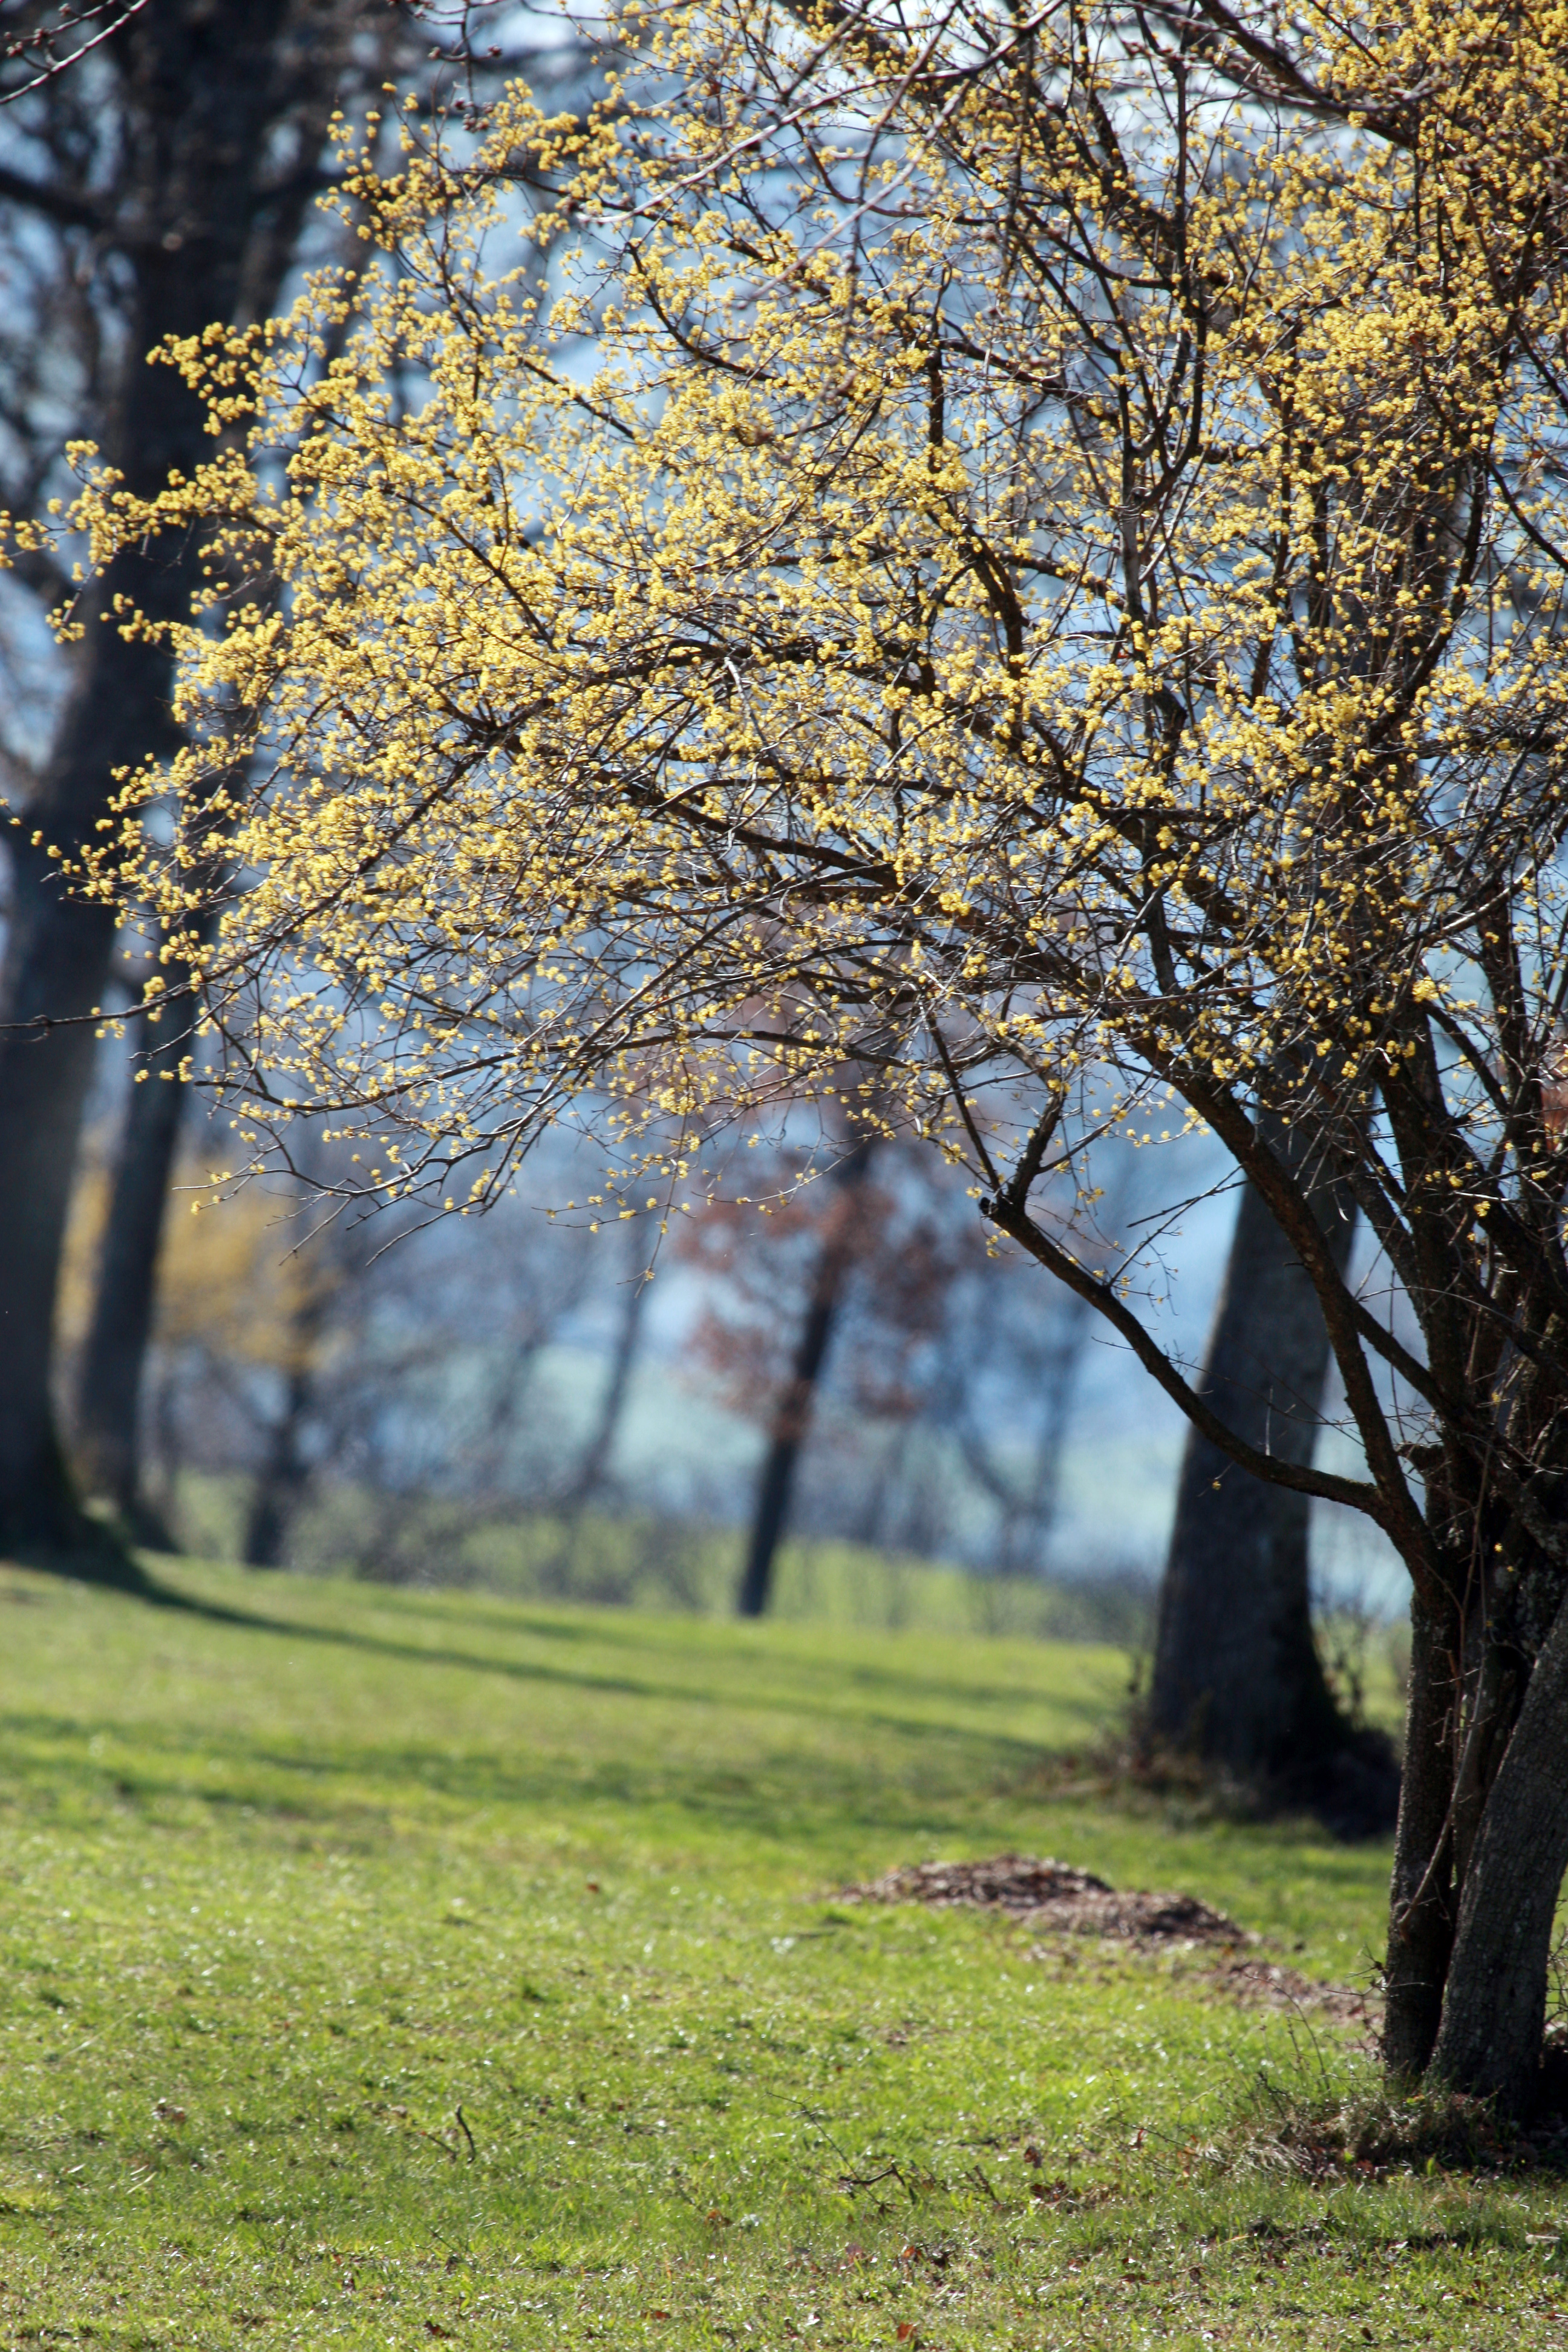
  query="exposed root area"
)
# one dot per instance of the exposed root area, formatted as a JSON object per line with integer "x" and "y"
{"x": 1383, "y": 2131}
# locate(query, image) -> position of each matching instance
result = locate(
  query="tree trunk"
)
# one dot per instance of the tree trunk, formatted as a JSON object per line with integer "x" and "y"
{"x": 791, "y": 1416}
{"x": 56, "y": 963}
{"x": 283, "y": 1478}
{"x": 1494, "y": 2002}
{"x": 108, "y": 1437}
{"x": 596, "y": 1454}
{"x": 1421, "y": 1911}
{"x": 1237, "y": 1677}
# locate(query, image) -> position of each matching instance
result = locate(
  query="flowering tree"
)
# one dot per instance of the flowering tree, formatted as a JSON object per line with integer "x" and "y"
{"x": 1029, "y": 564}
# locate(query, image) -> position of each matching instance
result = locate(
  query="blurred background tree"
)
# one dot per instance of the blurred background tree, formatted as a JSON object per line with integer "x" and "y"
{"x": 159, "y": 168}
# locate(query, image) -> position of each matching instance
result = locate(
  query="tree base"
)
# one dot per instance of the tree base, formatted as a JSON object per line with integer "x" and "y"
{"x": 1350, "y": 1784}
{"x": 1352, "y": 1787}
{"x": 88, "y": 1551}
{"x": 138, "y": 1524}
{"x": 1390, "y": 2130}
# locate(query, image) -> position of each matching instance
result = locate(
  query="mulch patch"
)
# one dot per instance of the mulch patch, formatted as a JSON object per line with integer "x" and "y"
{"x": 1052, "y": 1896}
{"x": 1056, "y": 1900}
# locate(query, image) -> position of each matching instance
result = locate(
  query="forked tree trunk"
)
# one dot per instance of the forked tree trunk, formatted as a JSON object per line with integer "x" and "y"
{"x": 1494, "y": 2002}
{"x": 1237, "y": 1679}
{"x": 792, "y": 1414}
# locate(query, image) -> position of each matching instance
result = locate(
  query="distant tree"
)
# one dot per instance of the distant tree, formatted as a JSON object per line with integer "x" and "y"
{"x": 835, "y": 1244}
{"x": 863, "y": 1270}
{"x": 387, "y": 1385}
{"x": 1236, "y": 1675}
{"x": 1061, "y": 568}
{"x": 593, "y": 1468}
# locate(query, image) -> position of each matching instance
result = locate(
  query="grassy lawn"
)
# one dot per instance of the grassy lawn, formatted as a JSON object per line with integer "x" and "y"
{"x": 286, "y": 1885}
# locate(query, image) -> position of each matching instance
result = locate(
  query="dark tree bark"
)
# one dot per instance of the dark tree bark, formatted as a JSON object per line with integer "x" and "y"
{"x": 1494, "y": 2008}
{"x": 199, "y": 234}
{"x": 284, "y": 1476}
{"x": 1237, "y": 1677}
{"x": 108, "y": 1439}
{"x": 792, "y": 1415}
{"x": 1421, "y": 1909}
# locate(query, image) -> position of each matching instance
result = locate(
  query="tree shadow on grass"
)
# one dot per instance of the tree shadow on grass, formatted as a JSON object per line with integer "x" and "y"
{"x": 1087, "y": 1709}
{"x": 357, "y": 1794}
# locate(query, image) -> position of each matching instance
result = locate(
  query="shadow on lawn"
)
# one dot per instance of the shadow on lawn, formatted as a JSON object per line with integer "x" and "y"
{"x": 691, "y": 1636}
{"x": 1088, "y": 1708}
{"x": 336, "y": 1795}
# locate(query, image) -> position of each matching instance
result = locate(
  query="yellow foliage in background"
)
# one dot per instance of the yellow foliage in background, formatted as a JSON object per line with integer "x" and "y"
{"x": 231, "y": 1279}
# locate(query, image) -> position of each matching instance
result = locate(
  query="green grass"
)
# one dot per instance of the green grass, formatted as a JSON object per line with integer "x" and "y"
{"x": 281, "y": 1890}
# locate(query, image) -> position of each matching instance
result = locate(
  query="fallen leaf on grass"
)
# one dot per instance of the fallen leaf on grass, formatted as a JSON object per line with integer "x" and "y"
{"x": 907, "y": 2331}
{"x": 433, "y": 2327}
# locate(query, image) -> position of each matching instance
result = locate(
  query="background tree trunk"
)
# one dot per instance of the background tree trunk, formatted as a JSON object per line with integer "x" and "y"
{"x": 57, "y": 960}
{"x": 1237, "y": 1677}
{"x": 791, "y": 1416}
{"x": 284, "y": 1476}
{"x": 108, "y": 1437}
{"x": 590, "y": 1471}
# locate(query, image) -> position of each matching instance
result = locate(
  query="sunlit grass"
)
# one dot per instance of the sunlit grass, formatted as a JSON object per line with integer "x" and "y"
{"x": 284, "y": 1889}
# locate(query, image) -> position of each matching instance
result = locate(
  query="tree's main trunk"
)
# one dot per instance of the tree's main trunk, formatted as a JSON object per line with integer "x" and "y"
{"x": 792, "y": 1417}
{"x": 107, "y": 1446}
{"x": 1494, "y": 2002}
{"x": 1236, "y": 1675}
{"x": 1421, "y": 1906}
